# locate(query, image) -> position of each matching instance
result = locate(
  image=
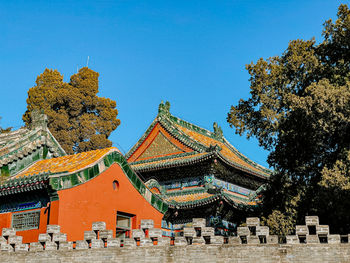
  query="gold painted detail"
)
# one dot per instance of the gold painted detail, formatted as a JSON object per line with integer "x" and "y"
{"x": 160, "y": 146}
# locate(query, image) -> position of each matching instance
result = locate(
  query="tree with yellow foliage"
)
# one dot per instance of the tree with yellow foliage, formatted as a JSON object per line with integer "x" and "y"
{"x": 77, "y": 117}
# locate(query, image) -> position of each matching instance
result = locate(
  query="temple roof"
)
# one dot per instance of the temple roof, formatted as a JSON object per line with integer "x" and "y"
{"x": 170, "y": 161}
{"x": 185, "y": 143}
{"x": 16, "y": 144}
{"x": 72, "y": 170}
{"x": 190, "y": 197}
{"x": 66, "y": 164}
{"x": 21, "y": 148}
{"x": 199, "y": 195}
{"x": 193, "y": 198}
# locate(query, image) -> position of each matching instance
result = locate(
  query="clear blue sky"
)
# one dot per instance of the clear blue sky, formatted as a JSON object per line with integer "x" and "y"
{"x": 192, "y": 53}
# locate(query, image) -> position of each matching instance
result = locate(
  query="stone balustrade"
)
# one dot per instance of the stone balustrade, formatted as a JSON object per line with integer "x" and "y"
{"x": 147, "y": 236}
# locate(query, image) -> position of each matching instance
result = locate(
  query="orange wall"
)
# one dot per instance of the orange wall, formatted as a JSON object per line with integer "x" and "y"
{"x": 5, "y": 221}
{"x": 28, "y": 235}
{"x": 32, "y": 235}
{"x": 96, "y": 200}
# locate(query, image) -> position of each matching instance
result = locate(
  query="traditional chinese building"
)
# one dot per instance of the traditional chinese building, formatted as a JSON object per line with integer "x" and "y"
{"x": 197, "y": 172}
{"x": 72, "y": 191}
{"x": 21, "y": 148}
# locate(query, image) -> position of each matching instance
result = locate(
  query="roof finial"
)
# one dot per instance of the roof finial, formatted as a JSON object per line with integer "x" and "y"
{"x": 39, "y": 119}
{"x": 164, "y": 108}
{"x": 217, "y": 131}
{"x": 167, "y": 106}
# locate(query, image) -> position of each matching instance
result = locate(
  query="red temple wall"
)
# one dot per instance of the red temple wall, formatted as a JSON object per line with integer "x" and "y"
{"x": 97, "y": 200}
{"x": 32, "y": 234}
{"x": 5, "y": 220}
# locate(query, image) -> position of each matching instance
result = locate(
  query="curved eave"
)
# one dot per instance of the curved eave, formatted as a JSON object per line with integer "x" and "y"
{"x": 144, "y": 167}
{"x": 171, "y": 164}
{"x": 263, "y": 170}
{"x": 241, "y": 167}
{"x": 27, "y": 184}
{"x": 192, "y": 204}
{"x": 209, "y": 200}
{"x": 240, "y": 206}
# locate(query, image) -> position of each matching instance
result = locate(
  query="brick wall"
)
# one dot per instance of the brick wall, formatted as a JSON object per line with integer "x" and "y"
{"x": 192, "y": 253}
{"x": 253, "y": 243}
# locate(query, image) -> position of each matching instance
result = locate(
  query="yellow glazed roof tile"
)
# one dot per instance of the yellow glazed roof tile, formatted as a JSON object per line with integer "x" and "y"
{"x": 225, "y": 151}
{"x": 68, "y": 163}
{"x": 188, "y": 197}
{"x": 199, "y": 196}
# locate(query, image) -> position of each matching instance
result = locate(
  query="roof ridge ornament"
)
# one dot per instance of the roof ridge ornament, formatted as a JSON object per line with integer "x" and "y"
{"x": 164, "y": 108}
{"x": 214, "y": 148}
{"x": 39, "y": 119}
{"x": 218, "y": 134}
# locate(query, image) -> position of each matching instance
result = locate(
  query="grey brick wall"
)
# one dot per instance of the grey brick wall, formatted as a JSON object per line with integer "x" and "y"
{"x": 253, "y": 244}
{"x": 264, "y": 253}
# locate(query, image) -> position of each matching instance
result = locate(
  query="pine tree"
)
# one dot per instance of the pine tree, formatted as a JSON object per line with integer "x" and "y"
{"x": 77, "y": 117}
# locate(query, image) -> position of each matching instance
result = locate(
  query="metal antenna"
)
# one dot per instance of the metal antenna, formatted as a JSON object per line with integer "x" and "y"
{"x": 87, "y": 62}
